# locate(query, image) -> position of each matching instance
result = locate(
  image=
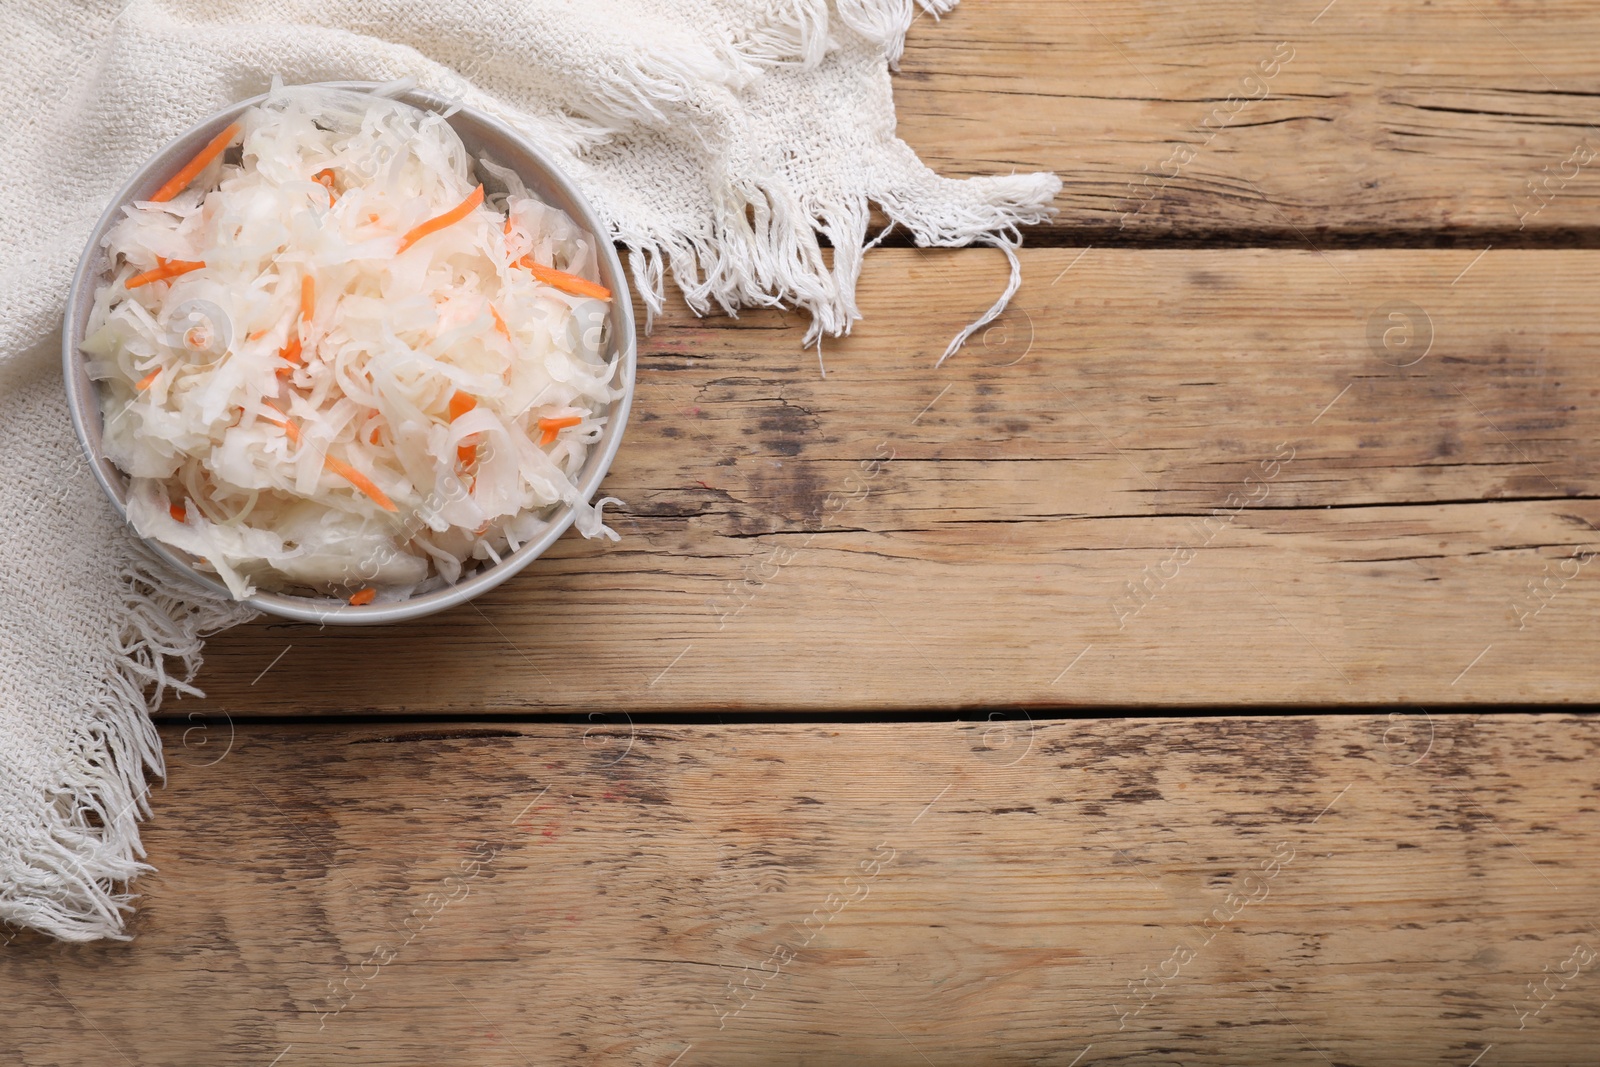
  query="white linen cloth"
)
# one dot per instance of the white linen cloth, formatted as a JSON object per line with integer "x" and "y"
{"x": 720, "y": 138}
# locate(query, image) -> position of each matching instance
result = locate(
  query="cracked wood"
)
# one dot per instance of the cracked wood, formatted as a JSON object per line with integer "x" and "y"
{"x": 1180, "y": 477}
{"x": 1255, "y": 120}
{"x": 1233, "y": 890}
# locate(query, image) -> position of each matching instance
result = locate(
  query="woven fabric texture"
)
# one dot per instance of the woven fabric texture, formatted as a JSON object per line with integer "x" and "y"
{"x": 721, "y": 139}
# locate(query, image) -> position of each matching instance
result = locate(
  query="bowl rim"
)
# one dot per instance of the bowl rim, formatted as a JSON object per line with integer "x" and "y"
{"x": 83, "y": 404}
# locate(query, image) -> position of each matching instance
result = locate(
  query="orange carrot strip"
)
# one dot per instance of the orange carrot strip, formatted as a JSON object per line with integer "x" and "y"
{"x": 360, "y": 481}
{"x": 180, "y": 181}
{"x": 170, "y": 268}
{"x": 324, "y": 178}
{"x": 567, "y": 283}
{"x": 289, "y": 428}
{"x": 290, "y": 353}
{"x": 460, "y": 404}
{"x": 439, "y": 222}
{"x": 177, "y": 512}
{"x": 342, "y": 469}
{"x": 363, "y": 596}
{"x": 257, "y": 335}
{"x": 561, "y": 423}
{"x": 553, "y": 426}
{"x": 373, "y": 436}
{"x": 144, "y": 383}
{"x": 499, "y": 323}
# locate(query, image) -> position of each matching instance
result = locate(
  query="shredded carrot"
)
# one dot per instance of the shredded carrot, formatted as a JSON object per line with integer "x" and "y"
{"x": 372, "y": 216}
{"x": 180, "y": 181}
{"x": 499, "y": 323}
{"x": 289, "y": 428}
{"x": 144, "y": 383}
{"x": 169, "y": 268}
{"x": 324, "y": 178}
{"x": 553, "y": 426}
{"x": 460, "y": 404}
{"x": 291, "y": 351}
{"x": 363, "y": 596}
{"x": 342, "y": 469}
{"x": 360, "y": 481}
{"x": 257, "y": 335}
{"x": 373, "y": 436}
{"x": 567, "y": 283}
{"x": 439, "y": 222}
{"x": 177, "y": 512}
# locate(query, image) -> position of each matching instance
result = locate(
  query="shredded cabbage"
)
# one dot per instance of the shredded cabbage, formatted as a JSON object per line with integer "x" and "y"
{"x": 463, "y": 391}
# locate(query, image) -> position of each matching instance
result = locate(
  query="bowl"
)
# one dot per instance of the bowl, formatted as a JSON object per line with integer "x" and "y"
{"x": 482, "y": 135}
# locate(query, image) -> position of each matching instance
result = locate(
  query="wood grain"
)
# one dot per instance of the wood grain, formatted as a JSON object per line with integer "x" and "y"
{"x": 1379, "y": 121}
{"x": 1173, "y": 477}
{"x": 1202, "y": 472}
{"x": 495, "y": 896}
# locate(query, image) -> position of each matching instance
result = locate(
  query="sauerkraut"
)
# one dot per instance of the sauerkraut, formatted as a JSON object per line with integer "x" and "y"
{"x": 330, "y": 364}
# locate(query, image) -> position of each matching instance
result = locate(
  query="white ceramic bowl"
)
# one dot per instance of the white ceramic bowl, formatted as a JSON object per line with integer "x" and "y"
{"x": 483, "y": 136}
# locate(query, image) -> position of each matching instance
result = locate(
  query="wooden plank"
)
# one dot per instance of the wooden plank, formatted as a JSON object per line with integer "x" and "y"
{"x": 903, "y": 893}
{"x": 1303, "y": 121}
{"x": 1072, "y": 485}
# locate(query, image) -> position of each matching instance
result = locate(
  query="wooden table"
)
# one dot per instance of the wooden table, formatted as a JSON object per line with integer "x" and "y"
{"x": 829, "y": 760}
